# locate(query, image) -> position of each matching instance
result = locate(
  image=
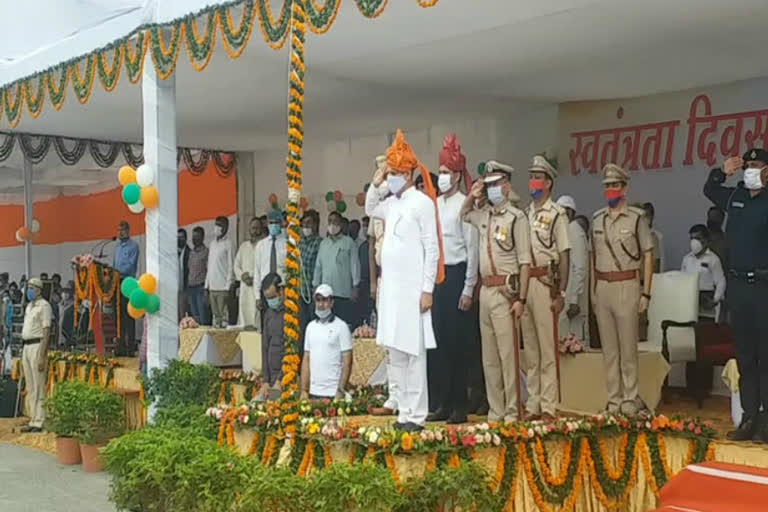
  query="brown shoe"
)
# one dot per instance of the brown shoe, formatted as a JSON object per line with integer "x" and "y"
{"x": 382, "y": 411}
{"x": 548, "y": 418}
{"x": 532, "y": 417}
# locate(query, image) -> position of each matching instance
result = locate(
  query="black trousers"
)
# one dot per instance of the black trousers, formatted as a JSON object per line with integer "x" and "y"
{"x": 346, "y": 310}
{"x": 447, "y": 364}
{"x": 749, "y": 324}
{"x": 127, "y": 343}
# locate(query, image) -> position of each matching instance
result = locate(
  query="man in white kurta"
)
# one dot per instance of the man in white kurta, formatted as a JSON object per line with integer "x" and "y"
{"x": 573, "y": 317}
{"x": 409, "y": 259}
{"x": 245, "y": 260}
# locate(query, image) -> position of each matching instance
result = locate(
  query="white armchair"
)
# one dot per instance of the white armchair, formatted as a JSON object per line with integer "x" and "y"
{"x": 675, "y": 298}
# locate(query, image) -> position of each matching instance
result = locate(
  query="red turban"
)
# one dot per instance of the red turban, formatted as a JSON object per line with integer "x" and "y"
{"x": 453, "y": 159}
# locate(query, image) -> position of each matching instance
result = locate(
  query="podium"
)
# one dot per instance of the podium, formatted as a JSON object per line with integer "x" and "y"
{"x": 99, "y": 285}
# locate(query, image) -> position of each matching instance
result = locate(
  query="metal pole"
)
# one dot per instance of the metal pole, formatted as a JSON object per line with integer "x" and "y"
{"x": 28, "y": 205}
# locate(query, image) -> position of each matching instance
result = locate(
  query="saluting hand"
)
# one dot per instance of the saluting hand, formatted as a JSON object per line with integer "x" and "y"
{"x": 733, "y": 165}
{"x": 477, "y": 189}
{"x": 378, "y": 176}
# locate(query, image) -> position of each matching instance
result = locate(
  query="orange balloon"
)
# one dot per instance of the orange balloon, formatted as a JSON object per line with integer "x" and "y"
{"x": 148, "y": 283}
{"x": 24, "y": 233}
{"x": 126, "y": 175}
{"x": 360, "y": 199}
{"x": 149, "y": 196}
{"x": 135, "y": 313}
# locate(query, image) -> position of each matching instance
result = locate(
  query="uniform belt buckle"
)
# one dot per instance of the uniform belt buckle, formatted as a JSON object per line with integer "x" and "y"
{"x": 751, "y": 277}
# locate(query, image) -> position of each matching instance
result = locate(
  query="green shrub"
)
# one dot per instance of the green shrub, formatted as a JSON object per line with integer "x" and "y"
{"x": 191, "y": 418}
{"x": 64, "y": 408}
{"x": 463, "y": 488}
{"x": 275, "y": 490}
{"x": 182, "y": 383}
{"x": 101, "y": 415}
{"x": 353, "y": 487}
{"x": 167, "y": 470}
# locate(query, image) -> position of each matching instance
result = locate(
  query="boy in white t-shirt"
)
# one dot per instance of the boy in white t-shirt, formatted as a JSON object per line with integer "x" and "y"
{"x": 327, "y": 360}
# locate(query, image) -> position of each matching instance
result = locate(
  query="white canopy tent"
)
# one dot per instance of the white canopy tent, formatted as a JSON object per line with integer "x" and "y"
{"x": 408, "y": 68}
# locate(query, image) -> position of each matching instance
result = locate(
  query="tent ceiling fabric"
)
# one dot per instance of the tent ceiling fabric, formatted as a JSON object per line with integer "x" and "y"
{"x": 411, "y": 67}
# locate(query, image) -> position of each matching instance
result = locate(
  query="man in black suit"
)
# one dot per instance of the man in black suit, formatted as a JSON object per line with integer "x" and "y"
{"x": 183, "y": 252}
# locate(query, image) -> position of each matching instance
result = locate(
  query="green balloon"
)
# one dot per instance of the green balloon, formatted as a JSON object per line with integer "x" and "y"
{"x": 153, "y": 303}
{"x": 129, "y": 284}
{"x": 131, "y": 193}
{"x": 341, "y": 206}
{"x": 481, "y": 168}
{"x": 329, "y": 196}
{"x": 365, "y": 188}
{"x": 275, "y": 206}
{"x": 139, "y": 298}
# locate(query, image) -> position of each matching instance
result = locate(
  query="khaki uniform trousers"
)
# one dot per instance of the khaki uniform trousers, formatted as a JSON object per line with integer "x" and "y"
{"x": 498, "y": 350}
{"x": 539, "y": 339}
{"x": 35, "y": 379}
{"x": 616, "y": 309}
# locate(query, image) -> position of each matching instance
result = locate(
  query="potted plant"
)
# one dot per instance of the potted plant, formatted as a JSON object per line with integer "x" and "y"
{"x": 63, "y": 409}
{"x": 101, "y": 419}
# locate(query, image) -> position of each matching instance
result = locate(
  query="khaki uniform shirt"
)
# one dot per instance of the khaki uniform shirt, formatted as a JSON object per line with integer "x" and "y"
{"x": 628, "y": 235}
{"x": 549, "y": 233}
{"x": 504, "y": 238}
{"x": 37, "y": 317}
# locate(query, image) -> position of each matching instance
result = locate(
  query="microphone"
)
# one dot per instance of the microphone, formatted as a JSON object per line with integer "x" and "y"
{"x": 102, "y": 245}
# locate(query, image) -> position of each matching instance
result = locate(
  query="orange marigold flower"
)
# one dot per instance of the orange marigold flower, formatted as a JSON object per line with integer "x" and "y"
{"x": 406, "y": 441}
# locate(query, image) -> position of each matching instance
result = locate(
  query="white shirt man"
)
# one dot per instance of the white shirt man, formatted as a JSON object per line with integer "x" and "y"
{"x": 705, "y": 263}
{"x": 35, "y": 335}
{"x": 409, "y": 259}
{"x": 573, "y": 318}
{"x": 327, "y": 362}
{"x": 220, "y": 276}
{"x": 245, "y": 260}
{"x": 270, "y": 253}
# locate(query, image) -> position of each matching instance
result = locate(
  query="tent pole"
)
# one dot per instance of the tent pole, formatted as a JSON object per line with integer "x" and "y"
{"x": 159, "y": 108}
{"x": 28, "y": 205}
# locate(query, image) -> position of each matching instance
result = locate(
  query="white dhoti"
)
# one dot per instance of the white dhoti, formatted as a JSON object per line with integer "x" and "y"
{"x": 245, "y": 260}
{"x": 411, "y": 371}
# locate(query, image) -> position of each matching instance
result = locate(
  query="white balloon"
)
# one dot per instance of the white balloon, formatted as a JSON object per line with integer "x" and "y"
{"x": 136, "y": 207}
{"x": 145, "y": 175}
{"x": 18, "y": 237}
{"x": 35, "y": 226}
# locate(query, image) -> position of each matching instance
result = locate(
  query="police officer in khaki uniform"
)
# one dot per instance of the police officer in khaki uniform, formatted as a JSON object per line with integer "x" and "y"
{"x": 550, "y": 248}
{"x": 35, "y": 334}
{"x": 504, "y": 260}
{"x": 622, "y": 253}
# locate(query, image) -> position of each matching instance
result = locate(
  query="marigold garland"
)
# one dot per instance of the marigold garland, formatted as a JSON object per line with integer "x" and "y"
{"x": 544, "y": 466}
{"x": 269, "y": 450}
{"x": 390, "y": 460}
{"x": 541, "y": 503}
{"x": 620, "y": 500}
{"x": 614, "y": 473}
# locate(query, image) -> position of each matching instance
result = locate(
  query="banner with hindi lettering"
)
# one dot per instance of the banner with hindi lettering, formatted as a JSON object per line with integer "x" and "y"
{"x": 668, "y": 142}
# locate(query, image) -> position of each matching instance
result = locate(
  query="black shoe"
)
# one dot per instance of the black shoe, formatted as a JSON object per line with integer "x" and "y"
{"x": 412, "y": 427}
{"x": 29, "y": 429}
{"x": 399, "y": 426}
{"x": 483, "y": 410}
{"x": 745, "y": 432}
{"x": 456, "y": 418}
{"x": 439, "y": 415}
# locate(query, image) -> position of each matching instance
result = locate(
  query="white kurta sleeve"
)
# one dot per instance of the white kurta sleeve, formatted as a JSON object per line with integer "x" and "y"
{"x": 355, "y": 264}
{"x": 718, "y": 276}
{"x": 578, "y": 263}
{"x": 374, "y": 206}
{"x": 230, "y": 262}
{"x": 257, "y": 277}
{"x": 471, "y": 240}
{"x": 239, "y": 263}
{"x": 428, "y": 238}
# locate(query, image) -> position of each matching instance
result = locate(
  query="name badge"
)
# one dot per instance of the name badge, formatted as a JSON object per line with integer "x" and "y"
{"x": 737, "y": 204}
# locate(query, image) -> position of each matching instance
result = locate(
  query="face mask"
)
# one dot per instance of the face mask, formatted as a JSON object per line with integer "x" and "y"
{"x": 218, "y": 230}
{"x": 306, "y": 232}
{"x": 274, "y": 302}
{"x": 323, "y": 313}
{"x": 444, "y": 182}
{"x": 334, "y": 229}
{"x": 31, "y": 294}
{"x": 696, "y": 246}
{"x": 753, "y": 179}
{"x": 395, "y": 183}
{"x": 536, "y": 186}
{"x": 274, "y": 229}
{"x": 495, "y": 195}
{"x": 614, "y": 196}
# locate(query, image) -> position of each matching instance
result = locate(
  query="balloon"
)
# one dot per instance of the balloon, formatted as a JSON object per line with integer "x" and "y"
{"x": 148, "y": 283}
{"x": 128, "y": 285}
{"x": 149, "y": 196}
{"x": 329, "y": 196}
{"x": 24, "y": 233}
{"x": 338, "y": 196}
{"x": 138, "y": 298}
{"x": 275, "y": 206}
{"x": 341, "y": 206}
{"x": 136, "y": 207}
{"x": 272, "y": 198}
{"x": 331, "y": 206}
{"x": 18, "y": 236}
{"x": 35, "y": 226}
{"x": 131, "y": 193}
{"x": 366, "y": 187}
{"x": 481, "y": 168}
{"x": 360, "y": 199}
{"x": 134, "y": 312}
{"x": 145, "y": 175}
{"x": 153, "y": 304}
{"x": 126, "y": 175}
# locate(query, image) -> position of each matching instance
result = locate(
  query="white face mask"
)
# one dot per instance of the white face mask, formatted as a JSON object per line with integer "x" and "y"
{"x": 444, "y": 182}
{"x": 753, "y": 179}
{"x": 334, "y": 229}
{"x": 495, "y": 195}
{"x": 395, "y": 183}
{"x": 696, "y": 246}
{"x": 218, "y": 230}
{"x": 306, "y": 231}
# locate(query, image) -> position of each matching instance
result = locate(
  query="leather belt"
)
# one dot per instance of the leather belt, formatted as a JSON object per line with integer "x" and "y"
{"x": 614, "y": 277}
{"x": 494, "y": 281}
{"x": 32, "y": 341}
{"x": 538, "y": 271}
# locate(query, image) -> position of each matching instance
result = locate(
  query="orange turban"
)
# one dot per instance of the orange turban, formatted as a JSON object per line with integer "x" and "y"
{"x": 453, "y": 159}
{"x": 402, "y": 159}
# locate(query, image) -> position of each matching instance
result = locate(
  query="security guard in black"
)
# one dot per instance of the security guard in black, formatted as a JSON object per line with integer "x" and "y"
{"x": 747, "y": 233}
